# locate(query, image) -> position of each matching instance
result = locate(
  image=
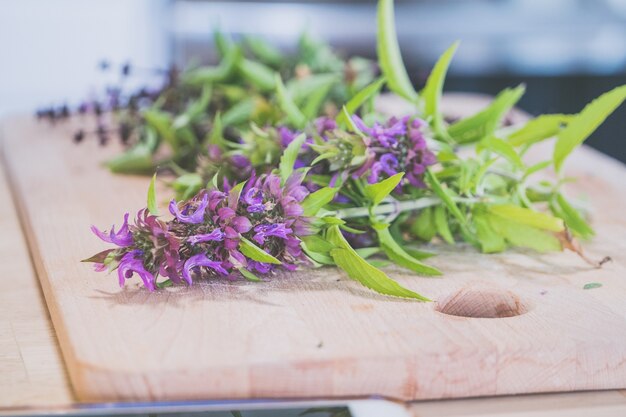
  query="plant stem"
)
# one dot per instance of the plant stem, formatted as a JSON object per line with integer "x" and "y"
{"x": 396, "y": 207}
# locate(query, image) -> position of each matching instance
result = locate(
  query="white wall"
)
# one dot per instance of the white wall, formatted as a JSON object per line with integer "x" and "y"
{"x": 49, "y": 49}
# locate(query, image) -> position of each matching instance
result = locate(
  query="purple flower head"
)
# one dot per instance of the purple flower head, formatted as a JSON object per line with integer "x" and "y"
{"x": 325, "y": 124}
{"x": 201, "y": 260}
{"x": 196, "y": 217}
{"x": 397, "y": 146}
{"x": 131, "y": 263}
{"x": 121, "y": 238}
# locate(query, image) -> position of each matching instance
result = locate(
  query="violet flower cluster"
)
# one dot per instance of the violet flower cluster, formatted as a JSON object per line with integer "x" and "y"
{"x": 205, "y": 237}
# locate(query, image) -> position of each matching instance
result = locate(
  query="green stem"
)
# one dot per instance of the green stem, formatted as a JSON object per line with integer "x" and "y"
{"x": 396, "y": 207}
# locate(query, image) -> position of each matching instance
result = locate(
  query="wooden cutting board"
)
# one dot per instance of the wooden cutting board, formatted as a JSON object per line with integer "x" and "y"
{"x": 316, "y": 332}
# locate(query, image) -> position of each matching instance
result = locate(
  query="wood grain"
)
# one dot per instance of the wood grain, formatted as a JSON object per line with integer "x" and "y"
{"x": 31, "y": 370}
{"x": 315, "y": 333}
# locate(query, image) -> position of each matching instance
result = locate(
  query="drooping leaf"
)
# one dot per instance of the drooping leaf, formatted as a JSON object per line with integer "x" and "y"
{"x": 152, "y": 203}
{"x": 397, "y": 254}
{"x": 582, "y": 125}
{"x": 445, "y": 196}
{"x": 528, "y": 217}
{"x": 485, "y": 122}
{"x": 424, "y": 225}
{"x": 315, "y": 201}
{"x": 431, "y": 94}
{"x": 287, "y": 105}
{"x": 288, "y": 159}
{"x": 377, "y": 192}
{"x": 518, "y": 234}
{"x": 573, "y": 219}
{"x": 441, "y": 223}
{"x": 359, "y": 99}
{"x": 388, "y": 50}
{"x": 360, "y": 270}
{"x": 538, "y": 129}
{"x": 490, "y": 241}
{"x": 255, "y": 253}
{"x": 249, "y": 275}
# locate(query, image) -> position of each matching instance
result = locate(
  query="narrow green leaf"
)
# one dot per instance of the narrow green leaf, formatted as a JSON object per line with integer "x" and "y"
{"x": 485, "y": 122}
{"x": 441, "y": 223}
{"x": 152, "y": 204}
{"x": 528, "y": 217}
{"x": 367, "y": 252}
{"x": 255, "y": 253}
{"x": 360, "y": 270}
{"x": 538, "y": 129}
{"x": 313, "y": 104}
{"x": 240, "y": 113}
{"x": 187, "y": 185}
{"x": 592, "y": 285}
{"x": 288, "y": 159}
{"x": 503, "y": 149}
{"x": 574, "y": 220}
{"x": 287, "y": 105}
{"x": 249, "y": 275}
{"x": 315, "y": 201}
{"x": 161, "y": 122}
{"x": 397, "y": 254}
{"x": 219, "y": 73}
{"x": 300, "y": 89}
{"x": 223, "y": 43}
{"x": 359, "y": 99}
{"x": 317, "y": 243}
{"x": 388, "y": 51}
{"x": 377, "y": 192}
{"x": 418, "y": 254}
{"x": 265, "y": 51}
{"x": 216, "y": 137}
{"x": 581, "y": 126}
{"x": 431, "y": 94}
{"x": 445, "y": 196}
{"x": 137, "y": 160}
{"x": 258, "y": 74}
{"x": 99, "y": 257}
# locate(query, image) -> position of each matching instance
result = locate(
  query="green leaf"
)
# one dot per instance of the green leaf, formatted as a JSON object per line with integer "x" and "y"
{"x": 503, "y": 149}
{"x": 240, "y": 113}
{"x": 359, "y": 99}
{"x": 209, "y": 75}
{"x": 287, "y": 105}
{"x": 563, "y": 209}
{"x": 317, "y": 243}
{"x": 255, "y": 253}
{"x": 519, "y": 234}
{"x": 485, "y": 122}
{"x": 441, "y": 223}
{"x": 445, "y": 196}
{"x": 137, "y": 160}
{"x": 314, "y": 102}
{"x": 424, "y": 225}
{"x": 538, "y": 129}
{"x": 152, "y": 204}
{"x": 418, "y": 254}
{"x": 592, "y": 285}
{"x": 490, "y": 241}
{"x": 187, "y": 185}
{"x": 528, "y": 217}
{"x": 249, "y": 275}
{"x": 99, "y": 257}
{"x": 367, "y": 252}
{"x": 258, "y": 74}
{"x": 388, "y": 50}
{"x": 300, "y": 89}
{"x": 288, "y": 159}
{"x": 431, "y": 94}
{"x": 397, "y": 254}
{"x": 586, "y": 122}
{"x": 223, "y": 43}
{"x": 216, "y": 137}
{"x": 360, "y": 270}
{"x": 265, "y": 51}
{"x": 315, "y": 201}
{"x": 377, "y": 192}
{"x": 161, "y": 122}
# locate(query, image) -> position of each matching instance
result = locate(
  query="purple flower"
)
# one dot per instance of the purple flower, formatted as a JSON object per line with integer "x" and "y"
{"x": 121, "y": 238}
{"x": 324, "y": 124}
{"x": 201, "y": 260}
{"x": 196, "y": 217}
{"x": 215, "y": 236}
{"x": 263, "y": 231}
{"x": 130, "y": 264}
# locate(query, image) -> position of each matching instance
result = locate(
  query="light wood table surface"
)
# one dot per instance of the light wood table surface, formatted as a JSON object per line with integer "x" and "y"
{"x": 32, "y": 373}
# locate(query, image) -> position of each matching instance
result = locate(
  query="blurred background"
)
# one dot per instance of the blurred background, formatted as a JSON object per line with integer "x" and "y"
{"x": 566, "y": 51}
